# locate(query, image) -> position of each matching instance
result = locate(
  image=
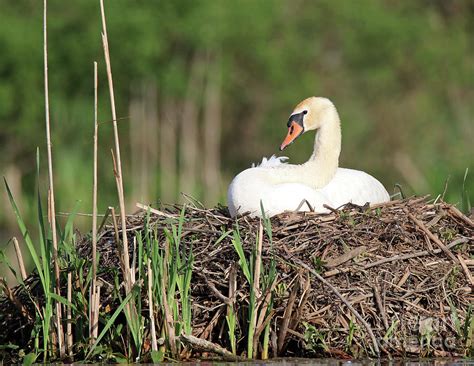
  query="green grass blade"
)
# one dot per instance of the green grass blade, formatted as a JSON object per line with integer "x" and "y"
{"x": 62, "y": 300}
{"x": 111, "y": 321}
{"x": 69, "y": 227}
{"x": 223, "y": 236}
{"x": 237, "y": 243}
{"x": 26, "y": 236}
{"x": 5, "y": 260}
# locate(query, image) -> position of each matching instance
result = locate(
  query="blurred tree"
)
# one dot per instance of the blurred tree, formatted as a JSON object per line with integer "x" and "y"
{"x": 400, "y": 72}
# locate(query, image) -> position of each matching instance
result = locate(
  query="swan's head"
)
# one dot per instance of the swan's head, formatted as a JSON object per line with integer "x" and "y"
{"x": 306, "y": 116}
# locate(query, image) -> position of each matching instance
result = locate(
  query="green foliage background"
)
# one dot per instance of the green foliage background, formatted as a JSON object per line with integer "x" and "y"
{"x": 400, "y": 72}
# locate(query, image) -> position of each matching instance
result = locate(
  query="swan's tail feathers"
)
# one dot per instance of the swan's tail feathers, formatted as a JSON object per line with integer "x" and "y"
{"x": 271, "y": 162}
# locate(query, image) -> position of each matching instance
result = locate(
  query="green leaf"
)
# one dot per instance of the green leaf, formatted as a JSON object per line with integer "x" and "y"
{"x": 157, "y": 356}
{"x": 26, "y": 236}
{"x": 112, "y": 320}
{"x": 29, "y": 359}
{"x": 62, "y": 300}
{"x": 237, "y": 243}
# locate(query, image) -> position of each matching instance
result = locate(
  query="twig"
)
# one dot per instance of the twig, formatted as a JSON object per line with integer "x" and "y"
{"x": 404, "y": 278}
{"x": 301, "y": 303}
{"x": 460, "y": 215}
{"x": 414, "y": 255}
{"x": 19, "y": 257}
{"x": 378, "y": 301}
{"x": 202, "y": 344}
{"x": 52, "y": 209}
{"x": 264, "y": 306}
{"x": 466, "y": 270}
{"x": 336, "y": 271}
{"x": 287, "y": 315}
{"x": 347, "y": 303}
{"x": 334, "y": 262}
{"x": 216, "y": 292}
{"x": 433, "y": 237}
{"x": 154, "y": 210}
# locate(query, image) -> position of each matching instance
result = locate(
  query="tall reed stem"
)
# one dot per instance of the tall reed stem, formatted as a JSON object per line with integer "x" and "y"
{"x": 118, "y": 161}
{"x": 154, "y": 343}
{"x": 69, "y": 338}
{"x": 52, "y": 209}
{"x": 94, "y": 316}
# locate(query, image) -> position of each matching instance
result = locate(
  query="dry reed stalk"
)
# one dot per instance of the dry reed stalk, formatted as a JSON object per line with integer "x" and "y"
{"x": 264, "y": 306}
{"x": 52, "y": 209}
{"x": 287, "y": 315}
{"x": 133, "y": 269}
{"x": 120, "y": 251}
{"x": 69, "y": 340}
{"x": 93, "y": 315}
{"x": 118, "y": 161}
{"x": 91, "y": 306}
{"x": 127, "y": 274}
{"x": 116, "y": 235}
{"x": 168, "y": 316}
{"x": 155, "y": 211}
{"x": 256, "y": 287}
{"x": 95, "y": 326}
{"x": 19, "y": 257}
{"x": 154, "y": 344}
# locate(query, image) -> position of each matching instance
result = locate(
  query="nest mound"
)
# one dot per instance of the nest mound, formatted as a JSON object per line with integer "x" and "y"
{"x": 394, "y": 279}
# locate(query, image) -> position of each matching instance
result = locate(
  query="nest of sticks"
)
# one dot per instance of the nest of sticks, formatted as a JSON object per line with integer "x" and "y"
{"x": 395, "y": 279}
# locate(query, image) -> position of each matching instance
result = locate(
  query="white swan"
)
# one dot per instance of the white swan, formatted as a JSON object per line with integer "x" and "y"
{"x": 283, "y": 187}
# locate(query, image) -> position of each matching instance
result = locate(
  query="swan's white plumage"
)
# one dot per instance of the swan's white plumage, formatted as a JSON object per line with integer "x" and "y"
{"x": 246, "y": 191}
{"x": 280, "y": 187}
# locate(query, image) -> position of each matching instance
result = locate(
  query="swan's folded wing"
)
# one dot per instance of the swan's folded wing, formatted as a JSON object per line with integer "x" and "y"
{"x": 354, "y": 186}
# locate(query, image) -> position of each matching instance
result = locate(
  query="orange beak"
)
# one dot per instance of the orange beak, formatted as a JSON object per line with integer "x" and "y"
{"x": 294, "y": 131}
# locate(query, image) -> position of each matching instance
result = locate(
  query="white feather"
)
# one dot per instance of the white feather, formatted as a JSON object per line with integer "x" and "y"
{"x": 271, "y": 162}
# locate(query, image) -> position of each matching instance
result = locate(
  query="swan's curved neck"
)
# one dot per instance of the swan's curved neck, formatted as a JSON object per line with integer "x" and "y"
{"x": 323, "y": 163}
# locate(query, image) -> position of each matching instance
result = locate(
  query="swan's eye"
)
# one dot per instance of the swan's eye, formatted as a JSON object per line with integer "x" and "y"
{"x": 305, "y": 112}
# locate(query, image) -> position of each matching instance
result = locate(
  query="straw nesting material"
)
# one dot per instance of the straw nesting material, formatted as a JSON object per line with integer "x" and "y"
{"x": 355, "y": 282}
